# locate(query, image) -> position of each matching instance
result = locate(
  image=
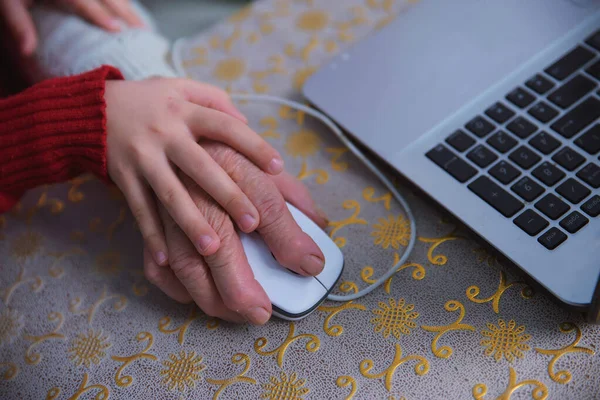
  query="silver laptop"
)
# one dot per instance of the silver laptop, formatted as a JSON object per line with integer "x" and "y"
{"x": 493, "y": 109}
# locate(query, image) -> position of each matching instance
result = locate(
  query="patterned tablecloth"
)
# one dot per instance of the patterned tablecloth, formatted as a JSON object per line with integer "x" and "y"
{"x": 78, "y": 319}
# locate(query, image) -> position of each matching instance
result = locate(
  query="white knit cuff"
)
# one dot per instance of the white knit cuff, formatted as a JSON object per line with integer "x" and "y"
{"x": 68, "y": 45}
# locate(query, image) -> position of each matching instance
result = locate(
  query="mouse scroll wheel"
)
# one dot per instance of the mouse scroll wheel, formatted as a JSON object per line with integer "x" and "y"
{"x": 293, "y": 272}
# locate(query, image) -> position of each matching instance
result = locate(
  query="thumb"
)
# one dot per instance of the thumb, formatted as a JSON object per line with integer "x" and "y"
{"x": 20, "y": 25}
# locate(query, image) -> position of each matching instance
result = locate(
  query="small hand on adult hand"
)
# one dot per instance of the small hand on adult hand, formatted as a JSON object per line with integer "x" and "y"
{"x": 223, "y": 284}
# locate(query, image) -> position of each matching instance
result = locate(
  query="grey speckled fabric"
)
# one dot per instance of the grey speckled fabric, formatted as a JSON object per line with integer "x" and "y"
{"x": 77, "y": 318}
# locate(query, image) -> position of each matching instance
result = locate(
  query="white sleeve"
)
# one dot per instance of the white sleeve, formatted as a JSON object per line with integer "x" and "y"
{"x": 68, "y": 45}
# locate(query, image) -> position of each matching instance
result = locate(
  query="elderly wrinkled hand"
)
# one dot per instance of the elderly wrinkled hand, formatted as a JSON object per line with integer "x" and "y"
{"x": 223, "y": 284}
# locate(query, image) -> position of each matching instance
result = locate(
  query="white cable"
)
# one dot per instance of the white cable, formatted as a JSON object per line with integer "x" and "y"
{"x": 338, "y": 132}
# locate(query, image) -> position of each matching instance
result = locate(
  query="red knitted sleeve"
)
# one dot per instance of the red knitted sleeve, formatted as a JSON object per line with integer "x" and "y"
{"x": 52, "y": 132}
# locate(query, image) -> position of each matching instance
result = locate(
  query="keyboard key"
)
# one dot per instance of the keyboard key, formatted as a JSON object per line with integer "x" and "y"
{"x": 573, "y": 191}
{"x": 480, "y": 126}
{"x": 524, "y": 157}
{"x": 504, "y": 172}
{"x": 499, "y": 113}
{"x": 568, "y": 158}
{"x": 574, "y": 222}
{"x": 592, "y": 206}
{"x": 448, "y": 161}
{"x": 531, "y": 222}
{"x": 460, "y": 141}
{"x": 552, "y": 238}
{"x": 543, "y": 112}
{"x": 521, "y": 127}
{"x": 495, "y": 196}
{"x": 502, "y": 142}
{"x": 578, "y": 118}
{"x": 552, "y": 206}
{"x": 590, "y": 174}
{"x": 566, "y": 95}
{"x": 590, "y": 140}
{"x": 482, "y": 156}
{"x": 548, "y": 173}
{"x": 539, "y": 84}
{"x": 594, "y": 40}
{"x": 520, "y": 97}
{"x": 527, "y": 189}
{"x": 544, "y": 142}
{"x": 594, "y": 70}
{"x": 570, "y": 63}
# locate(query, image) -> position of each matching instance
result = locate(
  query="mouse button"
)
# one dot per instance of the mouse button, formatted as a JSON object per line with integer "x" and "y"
{"x": 296, "y": 299}
{"x": 334, "y": 264}
{"x": 290, "y": 292}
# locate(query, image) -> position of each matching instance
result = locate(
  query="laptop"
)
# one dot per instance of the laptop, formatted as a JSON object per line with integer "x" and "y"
{"x": 493, "y": 109}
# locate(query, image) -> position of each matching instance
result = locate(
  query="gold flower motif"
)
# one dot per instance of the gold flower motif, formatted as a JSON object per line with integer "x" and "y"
{"x": 11, "y": 324}
{"x": 285, "y": 389}
{"x": 505, "y": 340}
{"x": 304, "y": 143}
{"x": 230, "y": 70}
{"x": 312, "y": 21}
{"x": 182, "y": 371}
{"x": 89, "y": 348}
{"x": 391, "y": 232}
{"x": 394, "y": 318}
{"x": 26, "y": 245}
{"x": 108, "y": 263}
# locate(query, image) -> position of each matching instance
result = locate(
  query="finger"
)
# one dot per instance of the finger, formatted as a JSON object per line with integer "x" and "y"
{"x": 297, "y": 194}
{"x": 123, "y": 10}
{"x": 292, "y": 248}
{"x": 143, "y": 208}
{"x": 180, "y": 206}
{"x": 20, "y": 24}
{"x": 165, "y": 280}
{"x": 193, "y": 160}
{"x": 211, "y": 124}
{"x": 193, "y": 273}
{"x": 229, "y": 267}
{"x": 96, "y": 13}
{"x": 210, "y": 96}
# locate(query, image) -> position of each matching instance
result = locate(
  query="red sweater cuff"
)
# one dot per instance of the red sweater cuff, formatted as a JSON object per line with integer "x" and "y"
{"x": 52, "y": 132}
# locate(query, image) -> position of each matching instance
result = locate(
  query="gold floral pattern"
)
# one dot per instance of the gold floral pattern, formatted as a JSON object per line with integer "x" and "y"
{"x": 303, "y": 143}
{"x": 393, "y": 231}
{"x": 11, "y": 324}
{"x": 88, "y": 348}
{"x": 26, "y": 245}
{"x": 394, "y": 318}
{"x": 505, "y": 340}
{"x": 182, "y": 371}
{"x": 285, "y": 388}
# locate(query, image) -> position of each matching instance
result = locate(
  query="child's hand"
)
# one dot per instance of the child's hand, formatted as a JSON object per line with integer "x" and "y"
{"x": 103, "y": 13}
{"x": 153, "y": 127}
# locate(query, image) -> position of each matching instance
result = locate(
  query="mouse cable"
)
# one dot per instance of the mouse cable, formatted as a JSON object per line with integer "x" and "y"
{"x": 340, "y": 135}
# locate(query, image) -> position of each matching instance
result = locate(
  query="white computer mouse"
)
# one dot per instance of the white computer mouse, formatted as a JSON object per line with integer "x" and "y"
{"x": 294, "y": 296}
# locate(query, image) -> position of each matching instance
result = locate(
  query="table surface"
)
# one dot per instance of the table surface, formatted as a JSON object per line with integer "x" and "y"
{"x": 78, "y": 319}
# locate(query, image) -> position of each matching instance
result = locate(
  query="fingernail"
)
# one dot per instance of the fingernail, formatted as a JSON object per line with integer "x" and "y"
{"x": 322, "y": 214}
{"x": 161, "y": 258}
{"x": 312, "y": 264}
{"x": 205, "y": 242}
{"x": 276, "y": 166}
{"x": 247, "y": 222}
{"x": 258, "y": 315}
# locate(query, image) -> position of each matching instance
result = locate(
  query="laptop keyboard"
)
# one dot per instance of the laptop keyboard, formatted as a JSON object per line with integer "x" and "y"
{"x": 524, "y": 147}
